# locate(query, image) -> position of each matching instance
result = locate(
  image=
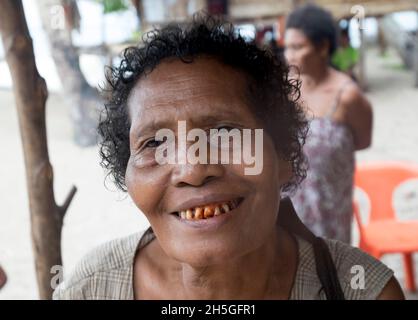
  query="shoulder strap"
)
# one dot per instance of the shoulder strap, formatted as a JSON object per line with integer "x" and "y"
{"x": 325, "y": 267}
{"x": 338, "y": 98}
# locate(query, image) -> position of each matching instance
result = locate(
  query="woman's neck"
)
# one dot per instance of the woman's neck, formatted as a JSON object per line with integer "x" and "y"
{"x": 265, "y": 273}
{"x": 315, "y": 78}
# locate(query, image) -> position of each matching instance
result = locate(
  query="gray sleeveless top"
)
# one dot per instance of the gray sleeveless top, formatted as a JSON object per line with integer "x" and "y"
{"x": 323, "y": 201}
{"x": 106, "y": 273}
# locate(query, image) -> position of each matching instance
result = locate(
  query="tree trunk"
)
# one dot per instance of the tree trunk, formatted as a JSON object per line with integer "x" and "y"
{"x": 83, "y": 100}
{"x": 416, "y": 57}
{"x": 30, "y": 93}
{"x": 297, "y": 3}
{"x": 140, "y": 13}
{"x": 362, "y": 77}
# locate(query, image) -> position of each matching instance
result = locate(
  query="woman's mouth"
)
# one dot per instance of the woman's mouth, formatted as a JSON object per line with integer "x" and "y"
{"x": 208, "y": 211}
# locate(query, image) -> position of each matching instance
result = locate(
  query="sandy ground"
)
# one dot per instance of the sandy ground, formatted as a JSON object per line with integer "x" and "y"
{"x": 98, "y": 214}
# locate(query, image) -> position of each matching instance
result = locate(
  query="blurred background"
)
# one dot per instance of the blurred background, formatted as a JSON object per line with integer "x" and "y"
{"x": 73, "y": 42}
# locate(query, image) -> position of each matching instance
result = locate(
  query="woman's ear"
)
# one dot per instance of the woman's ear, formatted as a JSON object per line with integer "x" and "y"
{"x": 285, "y": 172}
{"x": 324, "y": 49}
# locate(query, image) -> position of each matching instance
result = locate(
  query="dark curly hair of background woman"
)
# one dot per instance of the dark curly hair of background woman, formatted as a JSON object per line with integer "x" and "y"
{"x": 272, "y": 94}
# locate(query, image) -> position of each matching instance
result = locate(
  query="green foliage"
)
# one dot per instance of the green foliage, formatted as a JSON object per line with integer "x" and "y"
{"x": 113, "y": 5}
{"x": 136, "y": 36}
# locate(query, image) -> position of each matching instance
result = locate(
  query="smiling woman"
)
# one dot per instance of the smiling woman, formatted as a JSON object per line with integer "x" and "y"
{"x": 216, "y": 233}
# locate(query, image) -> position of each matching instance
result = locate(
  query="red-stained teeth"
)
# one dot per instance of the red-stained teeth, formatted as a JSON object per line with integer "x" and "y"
{"x": 198, "y": 214}
{"x": 208, "y": 211}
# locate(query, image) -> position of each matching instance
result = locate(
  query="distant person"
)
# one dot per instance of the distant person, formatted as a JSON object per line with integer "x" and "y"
{"x": 345, "y": 57}
{"x": 3, "y": 278}
{"x": 341, "y": 124}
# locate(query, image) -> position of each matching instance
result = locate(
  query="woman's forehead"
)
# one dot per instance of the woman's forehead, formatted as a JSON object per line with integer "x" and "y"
{"x": 204, "y": 86}
{"x": 295, "y": 35}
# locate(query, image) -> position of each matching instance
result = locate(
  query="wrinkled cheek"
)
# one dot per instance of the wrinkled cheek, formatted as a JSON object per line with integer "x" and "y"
{"x": 268, "y": 182}
{"x": 308, "y": 60}
{"x": 130, "y": 181}
{"x": 136, "y": 189}
{"x": 145, "y": 186}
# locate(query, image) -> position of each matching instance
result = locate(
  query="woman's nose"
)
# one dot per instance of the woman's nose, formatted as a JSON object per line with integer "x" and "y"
{"x": 195, "y": 174}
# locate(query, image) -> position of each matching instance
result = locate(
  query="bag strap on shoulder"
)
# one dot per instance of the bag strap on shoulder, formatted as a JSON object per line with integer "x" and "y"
{"x": 325, "y": 267}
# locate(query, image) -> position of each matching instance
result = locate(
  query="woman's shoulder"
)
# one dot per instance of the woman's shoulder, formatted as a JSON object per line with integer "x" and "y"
{"x": 352, "y": 98}
{"x": 362, "y": 277}
{"x": 111, "y": 260}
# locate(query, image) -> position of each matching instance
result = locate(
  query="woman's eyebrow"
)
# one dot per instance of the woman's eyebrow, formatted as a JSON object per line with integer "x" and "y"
{"x": 196, "y": 121}
{"x": 152, "y": 126}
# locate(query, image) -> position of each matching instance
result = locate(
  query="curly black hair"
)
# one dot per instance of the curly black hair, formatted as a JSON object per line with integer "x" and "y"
{"x": 273, "y": 95}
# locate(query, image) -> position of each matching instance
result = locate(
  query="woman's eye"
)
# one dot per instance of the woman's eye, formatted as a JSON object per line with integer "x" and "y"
{"x": 229, "y": 128}
{"x": 153, "y": 143}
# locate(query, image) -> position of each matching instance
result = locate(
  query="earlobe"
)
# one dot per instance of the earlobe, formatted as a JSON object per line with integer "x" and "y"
{"x": 325, "y": 49}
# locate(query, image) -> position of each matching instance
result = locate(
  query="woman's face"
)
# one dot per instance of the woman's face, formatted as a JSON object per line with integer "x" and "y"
{"x": 206, "y": 94}
{"x": 301, "y": 52}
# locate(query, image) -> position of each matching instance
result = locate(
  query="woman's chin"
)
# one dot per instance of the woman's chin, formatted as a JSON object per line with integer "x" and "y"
{"x": 198, "y": 257}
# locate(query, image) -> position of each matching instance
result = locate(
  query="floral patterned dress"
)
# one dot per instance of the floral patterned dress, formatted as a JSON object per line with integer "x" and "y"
{"x": 324, "y": 199}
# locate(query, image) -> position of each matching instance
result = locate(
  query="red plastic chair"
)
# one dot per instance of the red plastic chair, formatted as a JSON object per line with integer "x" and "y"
{"x": 383, "y": 233}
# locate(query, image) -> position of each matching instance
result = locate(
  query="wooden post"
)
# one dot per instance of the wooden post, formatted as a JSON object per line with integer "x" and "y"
{"x": 140, "y": 13}
{"x": 297, "y": 3}
{"x": 362, "y": 58}
{"x": 30, "y": 93}
{"x": 381, "y": 37}
{"x": 416, "y": 57}
{"x": 81, "y": 98}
